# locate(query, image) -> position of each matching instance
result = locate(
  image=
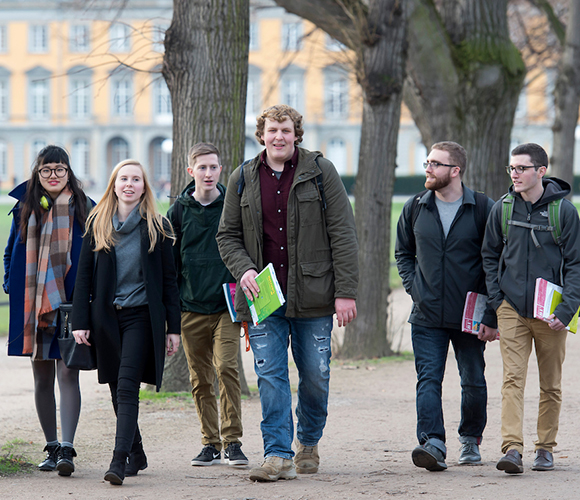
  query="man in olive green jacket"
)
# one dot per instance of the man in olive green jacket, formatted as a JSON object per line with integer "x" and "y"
{"x": 288, "y": 206}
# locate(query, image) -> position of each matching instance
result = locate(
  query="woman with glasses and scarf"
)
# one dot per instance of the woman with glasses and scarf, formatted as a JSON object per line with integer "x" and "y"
{"x": 40, "y": 266}
{"x": 126, "y": 299}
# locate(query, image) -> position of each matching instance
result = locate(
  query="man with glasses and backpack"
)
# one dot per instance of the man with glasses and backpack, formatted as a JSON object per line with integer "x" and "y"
{"x": 532, "y": 232}
{"x": 438, "y": 247}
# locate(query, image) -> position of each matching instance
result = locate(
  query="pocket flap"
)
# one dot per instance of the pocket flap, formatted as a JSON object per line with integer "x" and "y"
{"x": 316, "y": 269}
{"x": 307, "y": 195}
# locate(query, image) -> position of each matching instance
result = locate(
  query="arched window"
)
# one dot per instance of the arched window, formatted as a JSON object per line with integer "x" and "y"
{"x": 80, "y": 159}
{"x": 117, "y": 151}
{"x": 336, "y": 153}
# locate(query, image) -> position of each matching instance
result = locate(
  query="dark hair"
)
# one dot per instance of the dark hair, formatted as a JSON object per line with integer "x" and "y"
{"x": 279, "y": 113}
{"x": 201, "y": 149}
{"x": 457, "y": 154}
{"x": 536, "y": 153}
{"x": 34, "y": 190}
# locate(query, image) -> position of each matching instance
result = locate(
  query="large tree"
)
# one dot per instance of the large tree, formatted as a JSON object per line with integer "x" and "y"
{"x": 206, "y": 70}
{"x": 463, "y": 81}
{"x": 376, "y": 32}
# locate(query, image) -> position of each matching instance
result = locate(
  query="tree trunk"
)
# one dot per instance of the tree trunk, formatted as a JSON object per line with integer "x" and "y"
{"x": 377, "y": 35}
{"x": 206, "y": 70}
{"x": 567, "y": 100}
{"x": 465, "y": 76}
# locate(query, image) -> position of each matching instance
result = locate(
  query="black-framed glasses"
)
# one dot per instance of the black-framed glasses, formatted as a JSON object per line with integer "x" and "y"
{"x": 46, "y": 172}
{"x": 519, "y": 169}
{"x": 435, "y": 164}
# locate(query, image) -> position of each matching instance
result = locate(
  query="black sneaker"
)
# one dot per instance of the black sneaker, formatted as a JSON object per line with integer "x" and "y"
{"x": 64, "y": 463}
{"x": 208, "y": 456}
{"x": 234, "y": 455}
{"x": 49, "y": 463}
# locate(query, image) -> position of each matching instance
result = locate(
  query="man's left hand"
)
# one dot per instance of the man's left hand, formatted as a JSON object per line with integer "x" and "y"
{"x": 345, "y": 311}
{"x": 172, "y": 343}
{"x": 554, "y": 323}
{"x": 487, "y": 333}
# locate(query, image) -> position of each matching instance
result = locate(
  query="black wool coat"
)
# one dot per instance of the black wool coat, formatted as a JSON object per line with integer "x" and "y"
{"x": 93, "y": 307}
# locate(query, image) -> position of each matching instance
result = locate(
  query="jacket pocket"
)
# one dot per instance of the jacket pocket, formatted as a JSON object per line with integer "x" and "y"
{"x": 247, "y": 222}
{"x": 317, "y": 287}
{"x": 309, "y": 205}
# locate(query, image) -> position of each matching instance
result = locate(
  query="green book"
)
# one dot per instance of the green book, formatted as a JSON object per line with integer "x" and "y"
{"x": 270, "y": 297}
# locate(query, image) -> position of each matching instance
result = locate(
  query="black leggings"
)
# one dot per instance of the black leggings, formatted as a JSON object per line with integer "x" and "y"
{"x": 136, "y": 352}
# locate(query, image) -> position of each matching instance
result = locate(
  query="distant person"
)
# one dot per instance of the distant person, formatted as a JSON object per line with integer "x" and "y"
{"x": 520, "y": 246}
{"x": 40, "y": 267}
{"x": 125, "y": 301}
{"x": 289, "y": 207}
{"x": 438, "y": 248}
{"x": 210, "y": 338}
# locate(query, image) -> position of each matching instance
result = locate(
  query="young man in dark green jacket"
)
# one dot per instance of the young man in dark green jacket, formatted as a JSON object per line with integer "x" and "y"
{"x": 210, "y": 338}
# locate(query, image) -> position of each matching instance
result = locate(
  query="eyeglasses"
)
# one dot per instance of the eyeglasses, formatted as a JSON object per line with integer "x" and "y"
{"x": 46, "y": 172}
{"x": 435, "y": 164}
{"x": 519, "y": 169}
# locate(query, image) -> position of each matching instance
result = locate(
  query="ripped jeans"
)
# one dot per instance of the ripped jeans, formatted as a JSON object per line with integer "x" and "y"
{"x": 310, "y": 339}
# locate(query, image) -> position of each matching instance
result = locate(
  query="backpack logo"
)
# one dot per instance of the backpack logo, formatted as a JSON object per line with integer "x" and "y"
{"x": 544, "y": 213}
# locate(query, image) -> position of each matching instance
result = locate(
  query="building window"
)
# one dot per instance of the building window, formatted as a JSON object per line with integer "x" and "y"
{"x": 253, "y": 95}
{"x": 39, "y": 99}
{"x": 122, "y": 93}
{"x": 336, "y": 88}
{"x": 522, "y": 107}
{"x": 254, "y": 36}
{"x": 334, "y": 45}
{"x": 37, "y": 146}
{"x": 79, "y": 38}
{"x": 118, "y": 151}
{"x": 80, "y": 97}
{"x": 3, "y": 98}
{"x": 38, "y": 42}
{"x": 158, "y": 37}
{"x": 161, "y": 161}
{"x": 3, "y": 38}
{"x": 292, "y": 87}
{"x": 336, "y": 153}
{"x": 162, "y": 98}
{"x": 3, "y": 161}
{"x": 80, "y": 159}
{"x": 119, "y": 38}
{"x": 291, "y": 36}
{"x": 252, "y": 148}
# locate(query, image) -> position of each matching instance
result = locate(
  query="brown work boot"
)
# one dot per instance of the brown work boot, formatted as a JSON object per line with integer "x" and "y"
{"x": 274, "y": 468}
{"x": 306, "y": 459}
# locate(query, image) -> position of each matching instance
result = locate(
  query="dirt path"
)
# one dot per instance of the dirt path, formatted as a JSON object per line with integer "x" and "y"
{"x": 365, "y": 450}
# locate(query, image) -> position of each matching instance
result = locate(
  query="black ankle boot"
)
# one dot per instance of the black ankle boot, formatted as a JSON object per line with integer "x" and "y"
{"x": 64, "y": 464}
{"x": 137, "y": 460}
{"x": 49, "y": 463}
{"x": 116, "y": 472}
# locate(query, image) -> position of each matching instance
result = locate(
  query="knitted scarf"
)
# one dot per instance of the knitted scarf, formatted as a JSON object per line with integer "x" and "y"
{"x": 47, "y": 263}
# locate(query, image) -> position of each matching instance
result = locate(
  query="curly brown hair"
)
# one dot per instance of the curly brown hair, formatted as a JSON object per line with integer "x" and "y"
{"x": 280, "y": 112}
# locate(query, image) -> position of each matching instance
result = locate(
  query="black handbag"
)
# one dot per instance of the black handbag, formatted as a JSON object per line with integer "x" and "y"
{"x": 75, "y": 356}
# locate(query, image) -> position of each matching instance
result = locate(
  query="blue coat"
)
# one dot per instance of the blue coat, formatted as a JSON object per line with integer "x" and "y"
{"x": 14, "y": 276}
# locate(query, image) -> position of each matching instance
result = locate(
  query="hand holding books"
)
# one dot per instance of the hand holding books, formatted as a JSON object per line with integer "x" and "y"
{"x": 268, "y": 297}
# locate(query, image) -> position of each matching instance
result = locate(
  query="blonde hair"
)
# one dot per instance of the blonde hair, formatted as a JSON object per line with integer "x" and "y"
{"x": 100, "y": 220}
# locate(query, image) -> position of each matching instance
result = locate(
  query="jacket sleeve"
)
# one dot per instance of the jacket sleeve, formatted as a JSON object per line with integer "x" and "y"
{"x": 8, "y": 255}
{"x": 341, "y": 230}
{"x": 491, "y": 251}
{"x": 177, "y": 245}
{"x": 81, "y": 311}
{"x": 571, "y": 255}
{"x": 489, "y": 315}
{"x": 405, "y": 247}
{"x": 230, "y": 235}
{"x": 171, "y": 299}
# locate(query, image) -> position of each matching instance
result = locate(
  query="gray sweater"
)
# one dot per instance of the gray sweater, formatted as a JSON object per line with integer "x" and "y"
{"x": 130, "y": 288}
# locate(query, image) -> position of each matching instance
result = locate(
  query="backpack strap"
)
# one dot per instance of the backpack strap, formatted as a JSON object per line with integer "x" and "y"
{"x": 480, "y": 213}
{"x": 507, "y": 209}
{"x": 320, "y": 186}
{"x": 554, "y": 220}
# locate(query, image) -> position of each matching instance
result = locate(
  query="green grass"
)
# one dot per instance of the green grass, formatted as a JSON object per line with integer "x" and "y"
{"x": 398, "y": 358}
{"x": 145, "y": 395}
{"x": 12, "y": 458}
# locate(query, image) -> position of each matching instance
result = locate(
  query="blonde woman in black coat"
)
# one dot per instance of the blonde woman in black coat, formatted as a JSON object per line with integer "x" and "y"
{"x": 126, "y": 299}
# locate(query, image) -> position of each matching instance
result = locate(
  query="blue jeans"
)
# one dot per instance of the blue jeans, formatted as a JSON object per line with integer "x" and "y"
{"x": 310, "y": 339}
{"x": 430, "y": 346}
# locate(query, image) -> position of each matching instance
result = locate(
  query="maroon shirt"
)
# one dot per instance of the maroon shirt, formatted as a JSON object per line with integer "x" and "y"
{"x": 274, "y": 214}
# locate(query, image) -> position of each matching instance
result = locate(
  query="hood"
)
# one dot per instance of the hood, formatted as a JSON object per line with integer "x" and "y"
{"x": 186, "y": 198}
{"x": 554, "y": 189}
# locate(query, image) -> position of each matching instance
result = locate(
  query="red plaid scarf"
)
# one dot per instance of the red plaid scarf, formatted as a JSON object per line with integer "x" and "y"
{"x": 47, "y": 263}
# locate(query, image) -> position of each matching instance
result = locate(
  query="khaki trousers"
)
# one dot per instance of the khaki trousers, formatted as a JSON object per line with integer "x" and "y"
{"x": 516, "y": 336}
{"x": 213, "y": 341}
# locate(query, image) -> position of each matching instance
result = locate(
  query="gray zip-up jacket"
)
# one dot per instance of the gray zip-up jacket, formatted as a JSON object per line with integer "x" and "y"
{"x": 512, "y": 275}
{"x": 437, "y": 271}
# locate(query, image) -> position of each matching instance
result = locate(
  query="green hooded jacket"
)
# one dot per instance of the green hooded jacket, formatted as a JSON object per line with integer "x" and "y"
{"x": 201, "y": 271}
